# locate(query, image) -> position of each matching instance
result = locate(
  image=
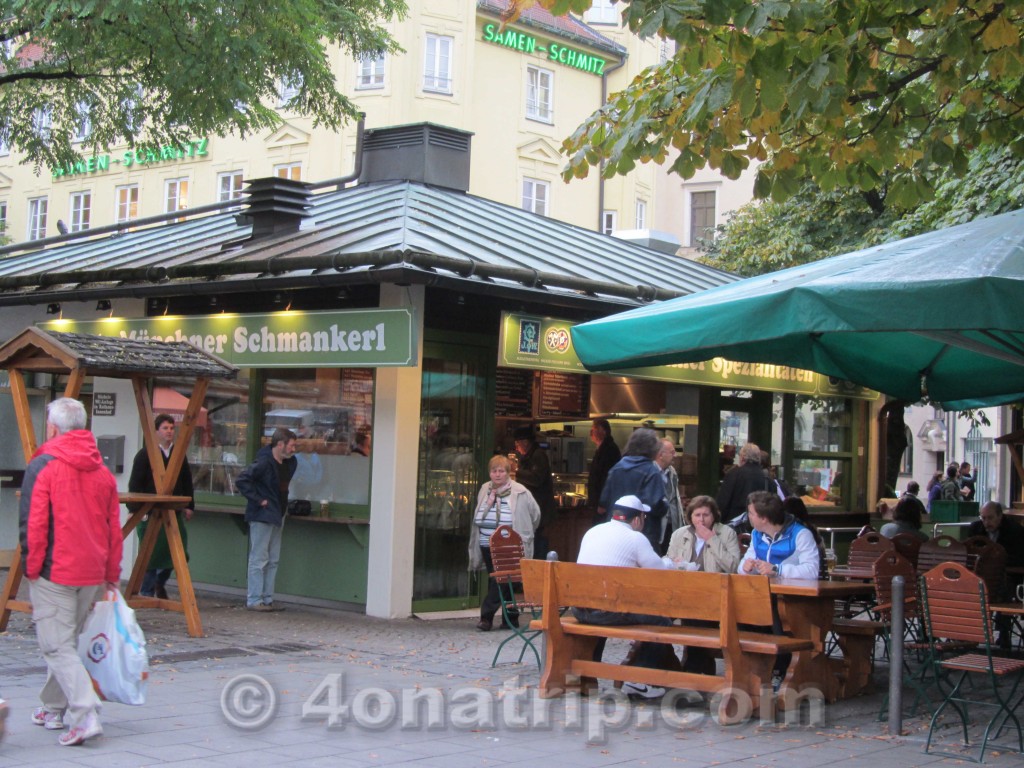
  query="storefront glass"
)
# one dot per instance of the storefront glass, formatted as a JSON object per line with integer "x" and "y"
{"x": 822, "y": 451}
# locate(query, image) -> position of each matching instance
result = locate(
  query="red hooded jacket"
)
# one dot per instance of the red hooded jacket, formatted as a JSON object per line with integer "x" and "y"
{"x": 70, "y": 514}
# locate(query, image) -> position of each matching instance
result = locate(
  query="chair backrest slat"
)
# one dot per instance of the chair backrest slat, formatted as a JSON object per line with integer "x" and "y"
{"x": 908, "y": 545}
{"x": 941, "y": 549}
{"x": 865, "y": 549}
{"x": 506, "y": 549}
{"x": 956, "y": 604}
{"x": 888, "y": 566}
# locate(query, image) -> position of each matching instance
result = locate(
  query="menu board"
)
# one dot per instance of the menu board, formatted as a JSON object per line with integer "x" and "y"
{"x": 513, "y": 393}
{"x": 565, "y": 395}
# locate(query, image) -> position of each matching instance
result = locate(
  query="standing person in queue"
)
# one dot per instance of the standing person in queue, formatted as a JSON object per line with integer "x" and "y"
{"x": 502, "y": 501}
{"x": 71, "y": 540}
{"x": 264, "y": 483}
{"x": 636, "y": 474}
{"x": 738, "y": 484}
{"x": 606, "y": 456}
{"x": 533, "y": 470}
{"x": 154, "y": 583}
{"x": 673, "y": 519}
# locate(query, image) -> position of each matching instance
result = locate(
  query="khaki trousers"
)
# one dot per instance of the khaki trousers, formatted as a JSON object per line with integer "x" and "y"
{"x": 59, "y": 613}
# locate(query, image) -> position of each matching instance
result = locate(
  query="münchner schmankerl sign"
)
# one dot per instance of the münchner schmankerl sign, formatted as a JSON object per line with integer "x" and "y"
{"x": 363, "y": 338}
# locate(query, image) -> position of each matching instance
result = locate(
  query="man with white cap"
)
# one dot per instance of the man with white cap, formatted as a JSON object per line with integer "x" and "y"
{"x": 620, "y": 542}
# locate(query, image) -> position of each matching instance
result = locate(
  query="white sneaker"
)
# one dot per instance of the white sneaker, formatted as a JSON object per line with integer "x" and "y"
{"x": 50, "y": 720}
{"x": 642, "y": 691}
{"x": 89, "y": 727}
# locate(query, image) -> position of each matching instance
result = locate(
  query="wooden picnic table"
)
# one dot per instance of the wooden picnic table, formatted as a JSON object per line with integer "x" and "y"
{"x": 807, "y": 610}
{"x": 852, "y": 574}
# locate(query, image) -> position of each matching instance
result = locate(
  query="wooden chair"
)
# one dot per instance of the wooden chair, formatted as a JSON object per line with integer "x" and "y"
{"x": 956, "y": 607}
{"x": 506, "y": 555}
{"x": 744, "y": 539}
{"x": 866, "y": 549}
{"x": 941, "y": 549}
{"x": 908, "y": 545}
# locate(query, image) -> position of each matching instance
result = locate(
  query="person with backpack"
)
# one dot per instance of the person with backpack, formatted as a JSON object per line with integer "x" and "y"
{"x": 950, "y": 489}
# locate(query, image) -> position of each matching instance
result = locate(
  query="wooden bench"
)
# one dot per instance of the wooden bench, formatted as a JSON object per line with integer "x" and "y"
{"x": 725, "y": 599}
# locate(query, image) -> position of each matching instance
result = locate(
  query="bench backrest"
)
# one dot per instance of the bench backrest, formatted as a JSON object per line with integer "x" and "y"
{"x": 676, "y": 594}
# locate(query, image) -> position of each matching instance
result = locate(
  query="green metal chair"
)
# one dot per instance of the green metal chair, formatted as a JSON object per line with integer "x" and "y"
{"x": 956, "y": 608}
{"x": 506, "y": 554}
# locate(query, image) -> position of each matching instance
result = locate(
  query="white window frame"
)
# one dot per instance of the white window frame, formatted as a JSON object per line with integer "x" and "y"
{"x": 3, "y": 216}
{"x": 694, "y": 236}
{"x": 83, "y": 126}
{"x": 641, "y": 213}
{"x": 288, "y": 88}
{"x": 437, "y": 63}
{"x": 609, "y": 222}
{"x": 42, "y": 121}
{"x": 5, "y": 150}
{"x": 540, "y": 90}
{"x": 229, "y": 186}
{"x": 291, "y": 171}
{"x": 126, "y": 203}
{"x": 175, "y": 194}
{"x": 536, "y": 196}
{"x": 602, "y": 12}
{"x": 370, "y": 73}
{"x": 38, "y": 209}
{"x": 80, "y": 211}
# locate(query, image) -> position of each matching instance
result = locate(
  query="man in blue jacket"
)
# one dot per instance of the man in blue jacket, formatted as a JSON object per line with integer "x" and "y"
{"x": 636, "y": 474}
{"x": 264, "y": 483}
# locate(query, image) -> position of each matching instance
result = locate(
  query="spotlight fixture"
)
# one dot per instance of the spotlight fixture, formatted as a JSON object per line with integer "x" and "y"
{"x": 343, "y": 293}
{"x": 103, "y": 305}
{"x": 213, "y": 301}
{"x": 277, "y": 298}
{"x": 53, "y": 309}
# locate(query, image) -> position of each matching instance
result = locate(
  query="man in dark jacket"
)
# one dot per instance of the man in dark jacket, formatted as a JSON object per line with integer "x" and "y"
{"x": 636, "y": 474}
{"x": 264, "y": 483}
{"x": 533, "y": 470}
{"x": 71, "y": 541}
{"x": 742, "y": 481}
{"x": 606, "y": 456}
{"x": 141, "y": 481}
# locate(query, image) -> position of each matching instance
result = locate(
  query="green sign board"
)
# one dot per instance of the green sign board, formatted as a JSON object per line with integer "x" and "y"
{"x": 361, "y": 338}
{"x": 556, "y": 53}
{"x": 544, "y": 343}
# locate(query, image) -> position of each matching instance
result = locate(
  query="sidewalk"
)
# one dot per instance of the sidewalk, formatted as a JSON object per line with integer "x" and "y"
{"x": 314, "y": 687}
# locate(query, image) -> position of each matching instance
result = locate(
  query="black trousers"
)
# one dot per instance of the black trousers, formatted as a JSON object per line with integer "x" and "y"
{"x": 492, "y": 600}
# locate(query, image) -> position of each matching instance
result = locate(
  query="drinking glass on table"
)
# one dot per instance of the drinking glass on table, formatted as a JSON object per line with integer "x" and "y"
{"x": 830, "y": 560}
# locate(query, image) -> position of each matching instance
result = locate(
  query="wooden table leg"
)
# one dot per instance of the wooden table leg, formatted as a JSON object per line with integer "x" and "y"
{"x": 8, "y": 598}
{"x": 810, "y": 618}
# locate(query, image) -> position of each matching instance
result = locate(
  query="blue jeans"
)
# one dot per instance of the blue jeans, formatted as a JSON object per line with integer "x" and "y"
{"x": 153, "y": 578}
{"x": 264, "y": 553}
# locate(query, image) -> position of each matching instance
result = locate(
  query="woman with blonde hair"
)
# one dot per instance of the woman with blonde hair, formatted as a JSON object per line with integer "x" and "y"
{"x": 502, "y": 501}
{"x": 704, "y": 543}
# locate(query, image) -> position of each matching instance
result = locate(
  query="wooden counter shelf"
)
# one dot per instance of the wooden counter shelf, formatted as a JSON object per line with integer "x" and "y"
{"x": 225, "y": 509}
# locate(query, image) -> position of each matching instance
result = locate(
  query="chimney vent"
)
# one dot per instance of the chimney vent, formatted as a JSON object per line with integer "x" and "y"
{"x": 423, "y": 152}
{"x": 276, "y": 205}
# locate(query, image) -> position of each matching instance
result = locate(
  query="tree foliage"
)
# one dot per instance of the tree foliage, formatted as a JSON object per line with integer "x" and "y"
{"x": 849, "y": 93}
{"x": 814, "y": 224}
{"x": 162, "y": 71}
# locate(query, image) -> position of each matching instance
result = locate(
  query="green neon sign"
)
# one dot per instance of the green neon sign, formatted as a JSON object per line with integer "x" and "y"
{"x": 555, "y": 52}
{"x": 134, "y": 158}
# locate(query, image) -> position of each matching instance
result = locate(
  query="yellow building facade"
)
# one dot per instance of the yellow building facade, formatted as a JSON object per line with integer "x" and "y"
{"x": 520, "y": 91}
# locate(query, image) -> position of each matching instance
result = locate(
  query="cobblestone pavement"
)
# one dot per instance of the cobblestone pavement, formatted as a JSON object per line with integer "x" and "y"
{"x": 316, "y": 686}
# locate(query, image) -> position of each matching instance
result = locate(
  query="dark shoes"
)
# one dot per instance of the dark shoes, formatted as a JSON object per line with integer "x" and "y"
{"x": 484, "y": 625}
{"x": 161, "y": 593}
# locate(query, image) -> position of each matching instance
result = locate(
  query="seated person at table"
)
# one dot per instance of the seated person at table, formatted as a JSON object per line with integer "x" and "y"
{"x": 794, "y": 505}
{"x": 780, "y": 544}
{"x": 906, "y": 518}
{"x": 703, "y": 543}
{"x": 621, "y": 542}
{"x": 1007, "y": 533}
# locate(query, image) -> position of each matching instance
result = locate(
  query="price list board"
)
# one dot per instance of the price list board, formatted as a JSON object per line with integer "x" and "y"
{"x": 513, "y": 393}
{"x": 565, "y": 395}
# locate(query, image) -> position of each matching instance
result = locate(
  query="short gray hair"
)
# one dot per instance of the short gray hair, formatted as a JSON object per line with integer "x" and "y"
{"x": 66, "y": 414}
{"x": 643, "y": 442}
{"x": 750, "y": 454}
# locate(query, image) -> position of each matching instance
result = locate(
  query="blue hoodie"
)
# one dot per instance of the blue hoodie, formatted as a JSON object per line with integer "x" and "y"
{"x": 259, "y": 481}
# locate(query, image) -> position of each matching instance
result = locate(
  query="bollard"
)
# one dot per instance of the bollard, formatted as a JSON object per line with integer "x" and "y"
{"x": 896, "y": 630}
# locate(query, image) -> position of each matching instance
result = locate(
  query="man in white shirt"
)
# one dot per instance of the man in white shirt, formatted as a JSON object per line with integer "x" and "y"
{"x": 620, "y": 542}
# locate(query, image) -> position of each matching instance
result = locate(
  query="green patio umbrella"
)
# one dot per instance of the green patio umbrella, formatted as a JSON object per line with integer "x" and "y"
{"x": 938, "y": 315}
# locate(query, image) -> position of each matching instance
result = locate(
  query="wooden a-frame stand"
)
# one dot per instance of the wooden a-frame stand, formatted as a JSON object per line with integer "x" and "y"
{"x": 36, "y": 350}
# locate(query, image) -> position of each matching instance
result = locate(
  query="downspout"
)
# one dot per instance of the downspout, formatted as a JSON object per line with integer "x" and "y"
{"x": 600, "y": 176}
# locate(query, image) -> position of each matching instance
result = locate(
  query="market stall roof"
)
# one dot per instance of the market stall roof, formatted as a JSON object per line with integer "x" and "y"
{"x": 936, "y": 315}
{"x": 397, "y": 232}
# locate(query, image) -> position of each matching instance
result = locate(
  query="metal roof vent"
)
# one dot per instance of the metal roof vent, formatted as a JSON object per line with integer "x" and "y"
{"x": 276, "y": 205}
{"x": 423, "y": 152}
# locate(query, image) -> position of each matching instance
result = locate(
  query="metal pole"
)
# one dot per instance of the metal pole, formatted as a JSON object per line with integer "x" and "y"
{"x": 896, "y": 629}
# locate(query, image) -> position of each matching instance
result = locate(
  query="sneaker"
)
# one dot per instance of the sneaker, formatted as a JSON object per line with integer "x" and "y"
{"x": 777, "y": 679}
{"x": 3, "y": 718}
{"x": 51, "y": 721}
{"x": 160, "y": 593}
{"x": 641, "y": 691}
{"x": 273, "y": 607}
{"x": 483, "y": 625}
{"x": 259, "y": 607}
{"x": 88, "y": 728}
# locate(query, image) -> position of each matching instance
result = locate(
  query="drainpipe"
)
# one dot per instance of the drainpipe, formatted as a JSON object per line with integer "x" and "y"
{"x": 600, "y": 177}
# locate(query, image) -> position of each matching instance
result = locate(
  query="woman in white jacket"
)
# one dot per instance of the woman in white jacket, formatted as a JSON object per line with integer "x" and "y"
{"x": 502, "y": 501}
{"x": 704, "y": 543}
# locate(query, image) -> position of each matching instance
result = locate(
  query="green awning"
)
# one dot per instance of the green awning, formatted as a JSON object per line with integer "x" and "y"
{"x": 940, "y": 314}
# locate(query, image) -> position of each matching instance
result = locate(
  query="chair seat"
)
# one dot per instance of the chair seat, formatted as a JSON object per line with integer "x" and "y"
{"x": 979, "y": 662}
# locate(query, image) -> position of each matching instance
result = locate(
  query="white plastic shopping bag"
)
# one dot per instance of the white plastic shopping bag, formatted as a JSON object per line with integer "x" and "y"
{"x": 113, "y": 649}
